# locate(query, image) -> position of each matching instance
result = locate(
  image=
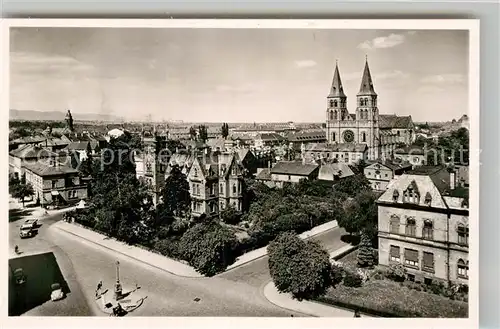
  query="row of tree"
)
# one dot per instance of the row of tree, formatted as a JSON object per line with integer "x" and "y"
{"x": 19, "y": 189}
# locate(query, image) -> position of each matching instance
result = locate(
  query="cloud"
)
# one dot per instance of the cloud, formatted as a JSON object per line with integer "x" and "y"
{"x": 443, "y": 79}
{"x": 37, "y": 63}
{"x": 305, "y": 63}
{"x": 389, "y": 41}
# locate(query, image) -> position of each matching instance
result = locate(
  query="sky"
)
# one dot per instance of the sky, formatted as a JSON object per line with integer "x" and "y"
{"x": 235, "y": 75}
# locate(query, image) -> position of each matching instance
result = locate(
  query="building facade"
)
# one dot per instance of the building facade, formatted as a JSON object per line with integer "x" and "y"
{"x": 423, "y": 223}
{"x": 55, "y": 184}
{"x": 379, "y": 174}
{"x": 379, "y": 133}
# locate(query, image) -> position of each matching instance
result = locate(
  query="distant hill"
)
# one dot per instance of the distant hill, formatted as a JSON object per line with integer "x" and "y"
{"x": 58, "y": 116}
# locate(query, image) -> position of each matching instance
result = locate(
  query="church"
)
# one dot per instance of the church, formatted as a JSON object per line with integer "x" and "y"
{"x": 365, "y": 134}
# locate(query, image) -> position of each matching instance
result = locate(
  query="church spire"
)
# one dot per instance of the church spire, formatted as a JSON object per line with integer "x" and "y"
{"x": 366, "y": 88}
{"x": 337, "y": 90}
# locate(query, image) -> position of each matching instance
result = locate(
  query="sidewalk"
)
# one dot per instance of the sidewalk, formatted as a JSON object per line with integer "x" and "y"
{"x": 316, "y": 309}
{"x": 137, "y": 253}
{"x": 261, "y": 252}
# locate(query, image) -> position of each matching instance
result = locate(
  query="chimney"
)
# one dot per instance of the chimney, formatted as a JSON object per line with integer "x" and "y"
{"x": 452, "y": 179}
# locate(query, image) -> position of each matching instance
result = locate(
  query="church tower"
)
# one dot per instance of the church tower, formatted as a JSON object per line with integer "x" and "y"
{"x": 336, "y": 108}
{"x": 69, "y": 121}
{"x": 367, "y": 115}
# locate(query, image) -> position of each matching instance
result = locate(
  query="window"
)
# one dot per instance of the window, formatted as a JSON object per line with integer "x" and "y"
{"x": 363, "y": 136}
{"x": 333, "y": 136}
{"x": 221, "y": 189}
{"x": 462, "y": 269}
{"x": 398, "y": 133}
{"x": 377, "y": 174}
{"x": 361, "y": 102}
{"x": 410, "y": 226}
{"x": 366, "y": 101}
{"x": 234, "y": 188}
{"x": 427, "y": 230}
{"x": 331, "y": 103}
{"x": 394, "y": 254}
{"x": 195, "y": 172}
{"x": 54, "y": 184}
{"x": 335, "y": 103}
{"x": 330, "y": 116}
{"x": 222, "y": 205}
{"x": 411, "y": 194}
{"x": 411, "y": 257}
{"x": 335, "y": 115}
{"x": 463, "y": 234}
{"x": 394, "y": 226}
{"x": 428, "y": 262}
{"x": 411, "y": 277}
{"x": 395, "y": 196}
{"x": 427, "y": 281}
{"x": 428, "y": 199}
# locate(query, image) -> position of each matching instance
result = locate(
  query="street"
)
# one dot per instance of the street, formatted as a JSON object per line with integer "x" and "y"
{"x": 235, "y": 293}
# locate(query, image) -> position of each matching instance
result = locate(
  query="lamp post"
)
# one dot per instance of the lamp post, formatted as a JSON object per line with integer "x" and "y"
{"x": 118, "y": 286}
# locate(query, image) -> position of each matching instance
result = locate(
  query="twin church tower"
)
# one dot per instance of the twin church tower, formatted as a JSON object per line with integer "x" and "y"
{"x": 380, "y": 133}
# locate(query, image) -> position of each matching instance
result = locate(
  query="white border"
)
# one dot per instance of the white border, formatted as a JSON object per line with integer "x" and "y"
{"x": 411, "y": 24}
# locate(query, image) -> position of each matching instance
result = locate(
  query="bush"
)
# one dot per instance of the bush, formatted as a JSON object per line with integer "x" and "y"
{"x": 208, "y": 247}
{"x": 365, "y": 254}
{"x": 337, "y": 274}
{"x": 397, "y": 273}
{"x": 168, "y": 247}
{"x": 299, "y": 267}
{"x": 352, "y": 279}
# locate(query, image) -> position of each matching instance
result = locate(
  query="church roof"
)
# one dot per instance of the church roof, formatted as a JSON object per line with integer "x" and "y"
{"x": 338, "y": 147}
{"x": 366, "y": 88}
{"x": 337, "y": 90}
{"x": 394, "y": 121}
{"x": 293, "y": 168}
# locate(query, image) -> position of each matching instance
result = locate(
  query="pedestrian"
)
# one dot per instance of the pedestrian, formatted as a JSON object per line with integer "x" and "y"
{"x": 356, "y": 314}
{"x": 99, "y": 285}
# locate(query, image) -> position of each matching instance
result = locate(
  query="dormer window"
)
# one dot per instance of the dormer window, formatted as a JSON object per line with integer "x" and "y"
{"x": 395, "y": 196}
{"x": 428, "y": 199}
{"x": 465, "y": 203}
{"x": 411, "y": 195}
{"x": 195, "y": 172}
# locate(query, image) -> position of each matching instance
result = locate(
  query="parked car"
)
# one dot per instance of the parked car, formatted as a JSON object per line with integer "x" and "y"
{"x": 19, "y": 277}
{"x": 26, "y": 231}
{"x": 31, "y": 222}
{"x": 57, "y": 293}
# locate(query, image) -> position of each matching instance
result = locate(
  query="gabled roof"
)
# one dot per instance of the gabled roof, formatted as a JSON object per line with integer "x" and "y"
{"x": 29, "y": 151}
{"x": 394, "y": 121}
{"x": 390, "y": 165}
{"x": 293, "y": 168}
{"x": 28, "y": 140}
{"x": 78, "y": 146}
{"x": 42, "y": 169}
{"x": 336, "y": 90}
{"x": 264, "y": 174}
{"x": 339, "y": 170}
{"x": 271, "y": 136}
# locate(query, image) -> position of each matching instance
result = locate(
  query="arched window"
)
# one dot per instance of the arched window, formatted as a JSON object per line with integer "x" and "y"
{"x": 411, "y": 194}
{"x": 361, "y": 102}
{"x": 428, "y": 199}
{"x": 363, "y": 136}
{"x": 395, "y": 196}
{"x": 331, "y": 103}
{"x": 234, "y": 188}
{"x": 366, "y": 101}
{"x": 335, "y": 103}
{"x": 410, "y": 227}
{"x": 462, "y": 269}
{"x": 427, "y": 230}
{"x": 463, "y": 234}
{"x": 331, "y": 115}
{"x": 366, "y": 114}
{"x": 394, "y": 227}
{"x": 335, "y": 115}
{"x": 333, "y": 137}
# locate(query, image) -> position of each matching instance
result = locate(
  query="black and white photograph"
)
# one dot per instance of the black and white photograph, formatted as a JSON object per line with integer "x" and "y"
{"x": 213, "y": 169}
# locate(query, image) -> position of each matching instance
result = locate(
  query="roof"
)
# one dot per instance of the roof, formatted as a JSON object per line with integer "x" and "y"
{"x": 293, "y": 168}
{"x": 340, "y": 170}
{"x": 366, "y": 88}
{"x": 339, "y": 147}
{"x": 394, "y": 121}
{"x": 264, "y": 174}
{"x": 42, "y": 169}
{"x": 390, "y": 165}
{"x": 307, "y": 136}
{"x": 30, "y": 151}
{"x": 271, "y": 136}
{"x": 80, "y": 146}
{"x": 411, "y": 149}
{"x": 337, "y": 90}
{"x": 29, "y": 139}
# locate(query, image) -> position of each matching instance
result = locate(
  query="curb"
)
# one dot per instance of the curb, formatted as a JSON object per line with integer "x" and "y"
{"x": 127, "y": 255}
{"x": 329, "y": 226}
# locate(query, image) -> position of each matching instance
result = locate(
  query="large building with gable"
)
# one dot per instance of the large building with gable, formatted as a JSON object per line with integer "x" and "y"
{"x": 364, "y": 134}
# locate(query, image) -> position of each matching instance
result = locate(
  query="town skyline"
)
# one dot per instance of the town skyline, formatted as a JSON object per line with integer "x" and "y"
{"x": 271, "y": 76}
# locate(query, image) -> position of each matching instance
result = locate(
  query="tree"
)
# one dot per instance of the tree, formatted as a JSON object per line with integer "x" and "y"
{"x": 366, "y": 257}
{"x": 87, "y": 164}
{"x": 202, "y": 133}
{"x": 192, "y": 133}
{"x": 229, "y": 215}
{"x": 360, "y": 214}
{"x": 353, "y": 185}
{"x": 208, "y": 247}
{"x": 176, "y": 200}
{"x": 299, "y": 267}
{"x": 22, "y": 191}
{"x": 225, "y": 130}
